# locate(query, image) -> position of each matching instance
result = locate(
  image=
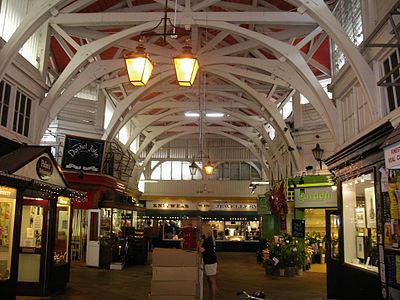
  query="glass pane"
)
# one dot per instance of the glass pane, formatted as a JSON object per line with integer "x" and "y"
{"x": 105, "y": 223}
{"x": 61, "y": 248}
{"x": 117, "y": 222}
{"x": 359, "y": 221}
{"x": 7, "y": 213}
{"x": 30, "y": 243}
{"x": 31, "y": 226}
{"x": 94, "y": 226}
{"x": 334, "y": 238}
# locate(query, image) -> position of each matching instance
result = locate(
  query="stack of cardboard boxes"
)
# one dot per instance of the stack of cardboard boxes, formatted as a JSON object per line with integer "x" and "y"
{"x": 176, "y": 275}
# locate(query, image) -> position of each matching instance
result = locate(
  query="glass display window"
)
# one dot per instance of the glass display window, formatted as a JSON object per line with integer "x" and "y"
{"x": 118, "y": 221}
{"x": 61, "y": 244}
{"x": 7, "y": 215}
{"x": 105, "y": 223}
{"x": 359, "y": 222}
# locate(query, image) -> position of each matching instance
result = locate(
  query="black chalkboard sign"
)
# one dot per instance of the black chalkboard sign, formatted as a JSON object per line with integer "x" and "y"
{"x": 298, "y": 228}
{"x": 82, "y": 154}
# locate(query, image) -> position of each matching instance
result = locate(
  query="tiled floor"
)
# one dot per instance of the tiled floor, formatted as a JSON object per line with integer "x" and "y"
{"x": 236, "y": 271}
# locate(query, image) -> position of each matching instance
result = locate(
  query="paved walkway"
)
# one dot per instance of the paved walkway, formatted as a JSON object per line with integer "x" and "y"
{"x": 236, "y": 271}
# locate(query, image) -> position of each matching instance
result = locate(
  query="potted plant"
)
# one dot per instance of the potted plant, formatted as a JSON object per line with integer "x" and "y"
{"x": 301, "y": 257}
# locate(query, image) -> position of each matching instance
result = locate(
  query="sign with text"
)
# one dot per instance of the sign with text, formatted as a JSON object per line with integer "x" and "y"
{"x": 392, "y": 156}
{"x": 298, "y": 228}
{"x": 263, "y": 207}
{"x": 191, "y": 205}
{"x": 44, "y": 168}
{"x": 81, "y": 154}
{"x": 315, "y": 197}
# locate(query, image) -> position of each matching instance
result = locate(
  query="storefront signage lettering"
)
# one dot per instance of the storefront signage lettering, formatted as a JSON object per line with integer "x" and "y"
{"x": 315, "y": 197}
{"x": 234, "y": 206}
{"x": 171, "y": 206}
{"x": 44, "y": 168}
{"x": 392, "y": 156}
{"x": 202, "y": 206}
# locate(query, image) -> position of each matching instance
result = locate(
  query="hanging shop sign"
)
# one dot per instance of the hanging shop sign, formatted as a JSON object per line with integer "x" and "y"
{"x": 315, "y": 197}
{"x": 263, "y": 207}
{"x": 81, "y": 154}
{"x": 44, "y": 168}
{"x": 392, "y": 156}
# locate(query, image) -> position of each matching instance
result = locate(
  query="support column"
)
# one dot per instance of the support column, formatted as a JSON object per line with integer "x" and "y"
{"x": 270, "y": 226}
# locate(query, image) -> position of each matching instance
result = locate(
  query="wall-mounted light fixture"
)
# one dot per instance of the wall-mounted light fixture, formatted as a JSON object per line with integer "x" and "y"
{"x": 317, "y": 153}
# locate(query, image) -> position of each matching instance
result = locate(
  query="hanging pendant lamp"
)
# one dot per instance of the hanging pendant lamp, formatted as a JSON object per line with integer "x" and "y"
{"x": 139, "y": 66}
{"x": 208, "y": 168}
{"x": 186, "y": 66}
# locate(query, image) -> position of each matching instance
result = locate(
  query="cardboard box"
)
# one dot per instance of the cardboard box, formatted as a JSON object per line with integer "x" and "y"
{"x": 174, "y": 288}
{"x": 117, "y": 266}
{"x": 165, "y": 297}
{"x": 175, "y": 273}
{"x": 168, "y": 257}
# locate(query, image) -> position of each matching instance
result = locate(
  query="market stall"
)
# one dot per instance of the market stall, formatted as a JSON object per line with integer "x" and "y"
{"x": 35, "y": 214}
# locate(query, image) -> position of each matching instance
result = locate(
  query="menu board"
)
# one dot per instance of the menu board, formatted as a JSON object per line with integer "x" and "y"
{"x": 298, "y": 228}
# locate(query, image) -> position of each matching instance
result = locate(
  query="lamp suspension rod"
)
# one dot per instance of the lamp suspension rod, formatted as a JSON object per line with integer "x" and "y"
{"x": 200, "y": 121}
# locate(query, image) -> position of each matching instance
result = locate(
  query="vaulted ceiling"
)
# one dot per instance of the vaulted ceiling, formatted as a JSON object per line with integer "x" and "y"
{"x": 253, "y": 55}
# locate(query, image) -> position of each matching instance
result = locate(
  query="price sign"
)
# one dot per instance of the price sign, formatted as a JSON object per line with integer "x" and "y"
{"x": 298, "y": 228}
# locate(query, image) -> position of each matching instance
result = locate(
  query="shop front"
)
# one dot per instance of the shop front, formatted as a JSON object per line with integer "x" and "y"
{"x": 235, "y": 224}
{"x": 35, "y": 223}
{"x": 355, "y": 235}
{"x": 311, "y": 205}
{"x": 104, "y": 226}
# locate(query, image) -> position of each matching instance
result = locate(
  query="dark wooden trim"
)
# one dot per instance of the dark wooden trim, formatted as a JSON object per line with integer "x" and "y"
{"x": 365, "y": 146}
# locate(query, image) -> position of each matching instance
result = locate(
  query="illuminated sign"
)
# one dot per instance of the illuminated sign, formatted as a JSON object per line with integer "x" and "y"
{"x": 315, "y": 197}
{"x": 7, "y": 192}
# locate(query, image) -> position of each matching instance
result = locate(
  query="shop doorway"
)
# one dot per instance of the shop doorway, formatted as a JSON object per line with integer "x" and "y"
{"x": 315, "y": 230}
{"x": 333, "y": 276}
{"x": 32, "y": 246}
{"x": 93, "y": 239}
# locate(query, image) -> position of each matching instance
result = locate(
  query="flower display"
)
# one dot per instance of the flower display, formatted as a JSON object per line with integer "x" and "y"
{"x": 286, "y": 252}
{"x": 277, "y": 199}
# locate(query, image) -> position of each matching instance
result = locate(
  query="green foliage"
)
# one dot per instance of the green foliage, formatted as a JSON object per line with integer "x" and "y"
{"x": 290, "y": 251}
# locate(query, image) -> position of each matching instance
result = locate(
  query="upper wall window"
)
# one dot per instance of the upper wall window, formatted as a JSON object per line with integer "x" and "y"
{"x": 348, "y": 14}
{"x": 392, "y": 91}
{"x": 22, "y": 113}
{"x": 5, "y": 92}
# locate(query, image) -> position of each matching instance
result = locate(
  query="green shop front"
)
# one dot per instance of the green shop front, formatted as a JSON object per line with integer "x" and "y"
{"x": 314, "y": 198}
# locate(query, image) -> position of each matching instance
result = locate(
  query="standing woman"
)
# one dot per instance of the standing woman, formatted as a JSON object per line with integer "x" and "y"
{"x": 207, "y": 248}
